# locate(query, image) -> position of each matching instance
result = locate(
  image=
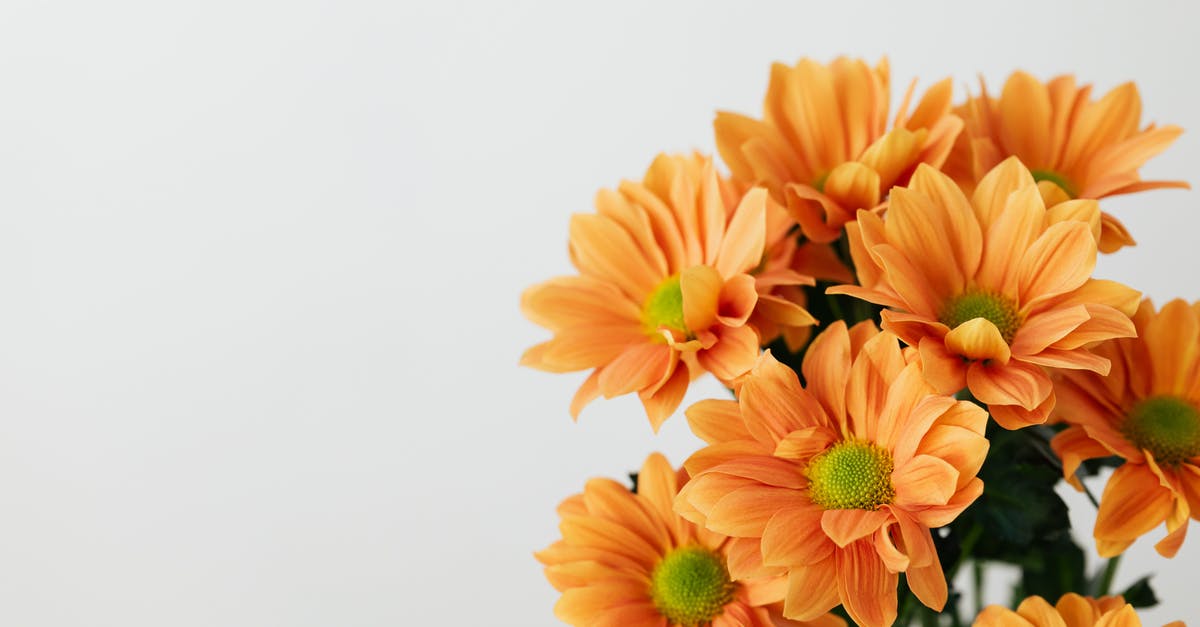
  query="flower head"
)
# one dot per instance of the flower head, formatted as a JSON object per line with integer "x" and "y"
{"x": 671, "y": 270}
{"x": 823, "y": 146}
{"x": 992, "y": 289}
{"x": 1071, "y": 610}
{"x": 1076, "y": 147}
{"x": 838, "y": 483}
{"x": 628, "y": 560}
{"x": 1147, "y": 411}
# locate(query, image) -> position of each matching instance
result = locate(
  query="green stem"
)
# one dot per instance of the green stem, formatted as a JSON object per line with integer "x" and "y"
{"x": 977, "y": 584}
{"x": 1088, "y": 492}
{"x": 1110, "y": 573}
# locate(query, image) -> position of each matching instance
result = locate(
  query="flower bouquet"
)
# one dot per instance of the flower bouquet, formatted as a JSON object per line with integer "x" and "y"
{"x": 903, "y": 308}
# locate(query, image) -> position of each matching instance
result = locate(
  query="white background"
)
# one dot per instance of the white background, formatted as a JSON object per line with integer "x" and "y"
{"x": 260, "y": 265}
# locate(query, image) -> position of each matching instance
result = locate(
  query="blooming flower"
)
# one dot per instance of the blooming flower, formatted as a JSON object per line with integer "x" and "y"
{"x": 990, "y": 290}
{"x": 627, "y": 560}
{"x": 1077, "y": 147}
{"x": 1071, "y": 610}
{"x": 670, "y": 272}
{"x": 823, "y": 147}
{"x": 838, "y": 483}
{"x": 1147, "y": 411}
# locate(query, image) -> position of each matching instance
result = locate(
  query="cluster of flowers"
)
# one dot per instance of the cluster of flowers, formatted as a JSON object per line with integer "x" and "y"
{"x": 973, "y": 229}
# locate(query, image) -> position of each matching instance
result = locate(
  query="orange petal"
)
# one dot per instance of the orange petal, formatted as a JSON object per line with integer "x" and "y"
{"x": 715, "y": 421}
{"x": 1133, "y": 503}
{"x": 1025, "y": 108}
{"x": 1012, "y": 384}
{"x": 867, "y": 589}
{"x": 803, "y": 444}
{"x": 588, "y": 392}
{"x": 945, "y": 371}
{"x": 810, "y": 594}
{"x": 826, "y": 368}
{"x": 978, "y": 340}
{"x": 924, "y": 480}
{"x": 742, "y": 247}
{"x": 663, "y": 402}
{"x": 735, "y": 352}
{"x": 1037, "y": 611}
{"x": 737, "y": 300}
{"x": 844, "y": 526}
{"x": 1060, "y": 260}
{"x": 774, "y": 404}
{"x": 638, "y": 367}
{"x": 746, "y": 511}
{"x": 794, "y": 537}
{"x": 853, "y": 186}
{"x": 701, "y": 290}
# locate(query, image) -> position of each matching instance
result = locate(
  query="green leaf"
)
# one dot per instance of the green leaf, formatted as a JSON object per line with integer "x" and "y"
{"x": 1140, "y": 594}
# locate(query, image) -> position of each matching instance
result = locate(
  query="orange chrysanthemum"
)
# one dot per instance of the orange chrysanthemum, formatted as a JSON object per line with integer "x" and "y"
{"x": 840, "y": 483}
{"x": 627, "y": 560}
{"x": 1071, "y": 610}
{"x": 1076, "y": 147}
{"x": 670, "y": 272}
{"x": 990, "y": 290}
{"x": 823, "y": 147}
{"x": 1147, "y": 410}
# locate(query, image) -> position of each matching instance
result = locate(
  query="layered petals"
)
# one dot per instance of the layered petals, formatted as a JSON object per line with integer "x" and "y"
{"x": 1076, "y": 146}
{"x": 993, "y": 291}
{"x": 682, "y": 273}
{"x": 774, "y": 472}
{"x": 617, "y": 562}
{"x": 1072, "y": 610}
{"x": 823, "y": 147}
{"x": 1147, "y": 412}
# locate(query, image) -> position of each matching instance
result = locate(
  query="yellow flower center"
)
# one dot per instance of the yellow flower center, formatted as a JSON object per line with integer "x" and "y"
{"x": 998, "y": 309}
{"x": 664, "y": 307}
{"x": 851, "y": 475}
{"x": 1056, "y": 178}
{"x": 691, "y": 586}
{"x": 1167, "y": 426}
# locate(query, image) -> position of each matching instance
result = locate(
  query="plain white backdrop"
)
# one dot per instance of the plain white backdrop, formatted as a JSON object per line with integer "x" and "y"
{"x": 260, "y": 265}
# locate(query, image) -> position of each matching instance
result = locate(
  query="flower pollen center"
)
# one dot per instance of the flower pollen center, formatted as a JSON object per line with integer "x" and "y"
{"x": 851, "y": 475}
{"x": 664, "y": 307}
{"x": 998, "y": 309}
{"x": 1167, "y": 426}
{"x": 1056, "y": 178}
{"x": 691, "y": 586}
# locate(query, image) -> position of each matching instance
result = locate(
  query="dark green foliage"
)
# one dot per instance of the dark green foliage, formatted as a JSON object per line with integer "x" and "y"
{"x": 1140, "y": 594}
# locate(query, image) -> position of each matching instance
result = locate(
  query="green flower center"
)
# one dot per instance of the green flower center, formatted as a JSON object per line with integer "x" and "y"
{"x": 664, "y": 307}
{"x": 1167, "y": 426}
{"x": 851, "y": 475}
{"x": 998, "y": 309}
{"x": 1056, "y": 178}
{"x": 691, "y": 586}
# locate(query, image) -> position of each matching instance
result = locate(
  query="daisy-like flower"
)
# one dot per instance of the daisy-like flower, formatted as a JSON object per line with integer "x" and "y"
{"x": 823, "y": 147}
{"x": 1071, "y": 610}
{"x": 1076, "y": 147}
{"x": 992, "y": 289}
{"x": 1147, "y": 411}
{"x": 841, "y": 482}
{"x": 671, "y": 270}
{"x": 627, "y": 560}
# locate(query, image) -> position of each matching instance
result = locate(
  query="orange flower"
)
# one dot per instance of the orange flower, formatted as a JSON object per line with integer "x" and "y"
{"x": 1071, "y": 610}
{"x": 839, "y": 483}
{"x": 670, "y": 271}
{"x": 1147, "y": 410}
{"x": 823, "y": 147}
{"x": 1077, "y": 147}
{"x": 627, "y": 560}
{"x": 990, "y": 290}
